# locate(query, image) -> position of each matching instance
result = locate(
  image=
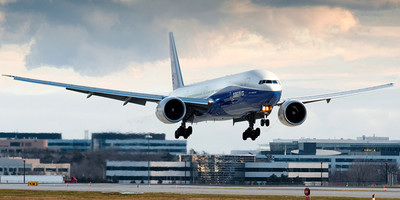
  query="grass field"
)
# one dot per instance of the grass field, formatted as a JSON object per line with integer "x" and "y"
{"x": 61, "y": 195}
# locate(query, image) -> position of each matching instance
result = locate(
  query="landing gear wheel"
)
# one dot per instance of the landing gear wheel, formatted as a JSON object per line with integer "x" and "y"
{"x": 250, "y": 132}
{"x": 183, "y": 131}
{"x": 264, "y": 122}
{"x": 177, "y": 134}
{"x": 247, "y": 133}
{"x": 188, "y": 132}
{"x": 257, "y": 132}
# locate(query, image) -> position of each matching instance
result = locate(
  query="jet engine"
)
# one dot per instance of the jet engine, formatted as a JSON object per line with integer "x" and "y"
{"x": 171, "y": 110}
{"x": 292, "y": 113}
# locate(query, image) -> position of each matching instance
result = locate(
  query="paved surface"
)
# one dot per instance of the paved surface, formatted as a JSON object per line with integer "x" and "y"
{"x": 195, "y": 189}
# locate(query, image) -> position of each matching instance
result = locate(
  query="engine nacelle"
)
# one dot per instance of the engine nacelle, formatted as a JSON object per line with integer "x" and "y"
{"x": 171, "y": 110}
{"x": 292, "y": 113}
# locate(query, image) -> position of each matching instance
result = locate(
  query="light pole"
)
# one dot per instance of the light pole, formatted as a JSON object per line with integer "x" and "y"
{"x": 148, "y": 137}
{"x": 24, "y": 169}
{"x": 386, "y": 168}
{"x": 321, "y": 173}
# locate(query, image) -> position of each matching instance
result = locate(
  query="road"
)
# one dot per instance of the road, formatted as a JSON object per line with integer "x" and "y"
{"x": 196, "y": 189}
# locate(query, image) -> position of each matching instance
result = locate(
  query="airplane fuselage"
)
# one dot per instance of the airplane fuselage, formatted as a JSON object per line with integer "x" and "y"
{"x": 236, "y": 95}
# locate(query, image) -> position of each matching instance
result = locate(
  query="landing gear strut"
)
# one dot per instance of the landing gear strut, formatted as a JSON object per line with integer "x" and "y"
{"x": 251, "y": 132}
{"x": 183, "y": 131}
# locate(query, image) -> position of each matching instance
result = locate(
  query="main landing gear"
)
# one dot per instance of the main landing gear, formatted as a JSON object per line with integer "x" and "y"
{"x": 251, "y": 132}
{"x": 183, "y": 131}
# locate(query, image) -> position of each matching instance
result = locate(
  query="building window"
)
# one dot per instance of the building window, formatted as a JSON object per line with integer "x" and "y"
{"x": 62, "y": 169}
{"x": 15, "y": 144}
{"x": 51, "y": 170}
{"x": 38, "y": 169}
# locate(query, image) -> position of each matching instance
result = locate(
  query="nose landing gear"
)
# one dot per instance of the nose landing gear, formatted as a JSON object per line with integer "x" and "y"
{"x": 264, "y": 122}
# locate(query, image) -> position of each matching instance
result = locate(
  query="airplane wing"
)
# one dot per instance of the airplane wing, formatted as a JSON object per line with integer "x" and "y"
{"x": 126, "y": 97}
{"x": 329, "y": 96}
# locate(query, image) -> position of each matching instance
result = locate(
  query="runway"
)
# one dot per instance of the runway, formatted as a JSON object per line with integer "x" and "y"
{"x": 196, "y": 189}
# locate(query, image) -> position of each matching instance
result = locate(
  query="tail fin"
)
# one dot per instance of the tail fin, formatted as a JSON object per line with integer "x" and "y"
{"x": 177, "y": 80}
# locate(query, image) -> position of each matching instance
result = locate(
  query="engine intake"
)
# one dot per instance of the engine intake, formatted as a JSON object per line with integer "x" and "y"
{"x": 171, "y": 110}
{"x": 292, "y": 113}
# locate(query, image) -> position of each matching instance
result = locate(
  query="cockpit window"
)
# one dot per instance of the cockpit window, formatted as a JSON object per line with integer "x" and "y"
{"x": 268, "y": 82}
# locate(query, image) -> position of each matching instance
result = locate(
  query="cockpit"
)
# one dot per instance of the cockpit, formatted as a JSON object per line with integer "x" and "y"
{"x": 268, "y": 82}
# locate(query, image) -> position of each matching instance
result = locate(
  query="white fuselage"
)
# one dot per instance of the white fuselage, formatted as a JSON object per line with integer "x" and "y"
{"x": 236, "y": 95}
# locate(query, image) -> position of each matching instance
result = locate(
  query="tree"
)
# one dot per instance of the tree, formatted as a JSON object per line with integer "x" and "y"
{"x": 273, "y": 179}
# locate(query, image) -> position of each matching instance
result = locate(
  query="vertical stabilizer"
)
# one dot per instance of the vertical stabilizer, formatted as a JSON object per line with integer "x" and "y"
{"x": 177, "y": 80}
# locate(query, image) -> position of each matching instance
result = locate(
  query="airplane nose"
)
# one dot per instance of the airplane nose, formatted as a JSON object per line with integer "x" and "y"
{"x": 273, "y": 98}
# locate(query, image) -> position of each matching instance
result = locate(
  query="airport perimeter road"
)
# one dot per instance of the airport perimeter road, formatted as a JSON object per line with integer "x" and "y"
{"x": 195, "y": 189}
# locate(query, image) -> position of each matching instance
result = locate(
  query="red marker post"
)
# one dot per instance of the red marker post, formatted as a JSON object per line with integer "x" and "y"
{"x": 307, "y": 192}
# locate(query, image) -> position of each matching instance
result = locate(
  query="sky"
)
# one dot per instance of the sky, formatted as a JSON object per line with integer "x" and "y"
{"x": 314, "y": 47}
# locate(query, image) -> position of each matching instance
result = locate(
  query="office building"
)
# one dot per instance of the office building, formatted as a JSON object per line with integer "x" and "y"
{"x": 134, "y": 143}
{"x": 15, "y": 166}
{"x": 142, "y": 172}
{"x": 260, "y": 172}
{"x": 65, "y": 145}
{"x": 37, "y": 136}
{"x": 19, "y": 145}
{"x": 360, "y": 146}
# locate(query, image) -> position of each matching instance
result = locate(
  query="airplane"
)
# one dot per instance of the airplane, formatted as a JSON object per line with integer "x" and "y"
{"x": 246, "y": 96}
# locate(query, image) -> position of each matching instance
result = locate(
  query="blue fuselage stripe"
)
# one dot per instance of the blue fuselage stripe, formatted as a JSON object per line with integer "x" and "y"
{"x": 238, "y": 101}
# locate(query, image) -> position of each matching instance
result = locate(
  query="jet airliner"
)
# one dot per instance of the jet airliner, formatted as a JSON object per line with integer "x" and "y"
{"x": 246, "y": 96}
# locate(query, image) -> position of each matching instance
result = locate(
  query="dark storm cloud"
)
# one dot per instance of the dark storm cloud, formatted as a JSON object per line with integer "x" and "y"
{"x": 97, "y": 37}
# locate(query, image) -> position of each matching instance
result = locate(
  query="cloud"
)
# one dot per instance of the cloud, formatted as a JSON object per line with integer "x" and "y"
{"x": 102, "y": 20}
{"x": 114, "y": 34}
{"x": 283, "y": 23}
{"x": 2, "y": 2}
{"x": 107, "y": 37}
{"x": 349, "y": 4}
